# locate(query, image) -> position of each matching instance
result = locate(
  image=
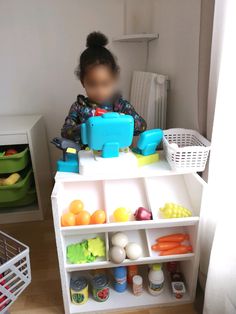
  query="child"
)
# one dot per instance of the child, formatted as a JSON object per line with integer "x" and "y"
{"x": 98, "y": 73}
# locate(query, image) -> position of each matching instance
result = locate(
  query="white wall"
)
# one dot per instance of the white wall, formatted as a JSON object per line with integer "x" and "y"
{"x": 40, "y": 44}
{"x": 175, "y": 53}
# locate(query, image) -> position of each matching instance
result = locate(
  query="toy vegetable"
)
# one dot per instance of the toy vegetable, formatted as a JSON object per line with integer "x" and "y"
{"x": 181, "y": 249}
{"x": 177, "y": 237}
{"x": 172, "y": 244}
{"x": 143, "y": 214}
{"x": 164, "y": 246}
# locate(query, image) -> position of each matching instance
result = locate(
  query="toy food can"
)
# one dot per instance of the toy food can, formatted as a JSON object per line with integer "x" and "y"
{"x": 100, "y": 286}
{"x": 79, "y": 290}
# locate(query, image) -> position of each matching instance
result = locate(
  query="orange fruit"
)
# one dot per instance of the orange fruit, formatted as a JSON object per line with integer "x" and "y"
{"x": 76, "y": 206}
{"x": 68, "y": 219}
{"x": 83, "y": 218}
{"x": 98, "y": 217}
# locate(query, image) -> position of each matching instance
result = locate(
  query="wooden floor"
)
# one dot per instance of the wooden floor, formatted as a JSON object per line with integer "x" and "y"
{"x": 43, "y": 296}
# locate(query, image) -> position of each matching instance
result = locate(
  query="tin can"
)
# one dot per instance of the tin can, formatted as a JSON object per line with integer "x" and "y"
{"x": 100, "y": 287}
{"x": 79, "y": 290}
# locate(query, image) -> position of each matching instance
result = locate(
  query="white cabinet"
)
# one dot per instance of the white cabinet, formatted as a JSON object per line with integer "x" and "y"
{"x": 30, "y": 130}
{"x": 151, "y": 187}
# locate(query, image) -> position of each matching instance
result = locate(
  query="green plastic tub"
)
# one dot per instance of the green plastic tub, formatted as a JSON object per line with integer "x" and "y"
{"x": 28, "y": 199}
{"x": 17, "y": 191}
{"x": 14, "y": 163}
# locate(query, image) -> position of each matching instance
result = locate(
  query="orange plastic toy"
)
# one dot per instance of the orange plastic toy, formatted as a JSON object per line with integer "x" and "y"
{"x": 177, "y": 237}
{"x": 181, "y": 249}
{"x": 83, "y": 218}
{"x": 76, "y": 206}
{"x": 67, "y": 220}
{"x": 98, "y": 217}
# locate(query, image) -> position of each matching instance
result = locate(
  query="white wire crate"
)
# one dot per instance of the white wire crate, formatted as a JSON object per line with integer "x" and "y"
{"x": 15, "y": 273}
{"x": 186, "y": 149}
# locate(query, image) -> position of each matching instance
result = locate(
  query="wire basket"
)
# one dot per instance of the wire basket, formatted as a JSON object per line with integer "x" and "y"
{"x": 15, "y": 274}
{"x": 190, "y": 153}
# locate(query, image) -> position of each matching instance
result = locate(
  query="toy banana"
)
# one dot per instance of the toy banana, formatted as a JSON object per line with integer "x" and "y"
{"x": 12, "y": 179}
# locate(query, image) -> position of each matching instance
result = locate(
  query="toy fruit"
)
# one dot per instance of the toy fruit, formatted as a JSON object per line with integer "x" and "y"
{"x": 10, "y": 151}
{"x": 171, "y": 210}
{"x": 76, "y": 206}
{"x": 133, "y": 250}
{"x": 83, "y": 218}
{"x": 119, "y": 239}
{"x": 68, "y": 219}
{"x": 117, "y": 254}
{"x": 12, "y": 179}
{"x": 143, "y": 214}
{"x": 98, "y": 217}
{"x": 121, "y": 214}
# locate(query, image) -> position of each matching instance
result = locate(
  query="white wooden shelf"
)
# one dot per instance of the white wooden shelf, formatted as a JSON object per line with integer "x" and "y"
{"x": 152, "y": 186}
{"x": 119, "y": 301}
{"x": 131, "y": 38}
{"x": 29, "y": 130}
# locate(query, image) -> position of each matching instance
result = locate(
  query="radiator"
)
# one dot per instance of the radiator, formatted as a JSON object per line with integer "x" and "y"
{"x": 149, "y": 97}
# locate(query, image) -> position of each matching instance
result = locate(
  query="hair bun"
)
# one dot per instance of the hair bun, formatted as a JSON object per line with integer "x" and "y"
{"x": 96, "y": 39}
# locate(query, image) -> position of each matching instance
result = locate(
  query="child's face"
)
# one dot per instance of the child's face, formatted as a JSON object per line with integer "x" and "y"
{"x": 100, "y": 83}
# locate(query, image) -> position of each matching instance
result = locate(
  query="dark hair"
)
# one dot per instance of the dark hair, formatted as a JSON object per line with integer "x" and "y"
{"x": 96, "y": 53}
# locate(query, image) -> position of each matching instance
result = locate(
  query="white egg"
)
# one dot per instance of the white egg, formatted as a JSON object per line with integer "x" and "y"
{"x": 117, "y": 254}
{"x": 119, "y": 239}
{"x": 133, "y": 250}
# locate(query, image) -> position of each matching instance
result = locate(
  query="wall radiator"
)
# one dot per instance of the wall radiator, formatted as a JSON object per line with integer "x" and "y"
{"x": 149, "y": 97}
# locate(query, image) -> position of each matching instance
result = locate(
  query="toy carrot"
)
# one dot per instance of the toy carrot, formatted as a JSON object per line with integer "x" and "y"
{"x": 163, "y": 246}
{"x": 177, "y": 237}
{"x": 182, "y": 249}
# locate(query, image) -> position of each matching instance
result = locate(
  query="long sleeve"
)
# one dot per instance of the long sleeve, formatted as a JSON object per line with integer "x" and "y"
{"x": 123, "y": 106}
{"x": 78, "y": 114}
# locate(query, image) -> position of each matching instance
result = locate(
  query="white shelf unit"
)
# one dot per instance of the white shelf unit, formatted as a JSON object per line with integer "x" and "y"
{"x": 132, "y": 38}
{"x": 29, "y": 130}
{"x": 151, "y": 187}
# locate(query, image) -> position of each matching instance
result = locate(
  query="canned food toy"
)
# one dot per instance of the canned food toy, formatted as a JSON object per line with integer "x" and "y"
{"x": 100, "y": 287}
{"x": 79, "y": 290}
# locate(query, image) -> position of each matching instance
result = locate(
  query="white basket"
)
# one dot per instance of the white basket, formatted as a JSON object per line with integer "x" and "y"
{"x": 15, "y": 274}
{"x": 191, "y": 153}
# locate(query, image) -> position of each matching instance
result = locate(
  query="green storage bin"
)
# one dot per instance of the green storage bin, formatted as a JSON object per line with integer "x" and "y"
{"x": 14, "y": 163}
{"x": 28, "y": 199}
{"x": 17, "y": 191}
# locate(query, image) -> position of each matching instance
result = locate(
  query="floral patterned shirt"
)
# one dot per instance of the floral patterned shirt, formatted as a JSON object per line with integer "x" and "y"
{"x": 83, "y": 109}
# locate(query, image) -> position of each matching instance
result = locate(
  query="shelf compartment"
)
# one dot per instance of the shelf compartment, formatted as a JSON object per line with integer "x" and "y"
{"x": 127, "y": 193}
{"x": 89, "y": 192}
{"x": 126, "y": 299}
{"x": 172, "y": 189}
{"x": 153, "y": 234}
{"x": 137, "y": 236}
{"x": 100, "y": 261}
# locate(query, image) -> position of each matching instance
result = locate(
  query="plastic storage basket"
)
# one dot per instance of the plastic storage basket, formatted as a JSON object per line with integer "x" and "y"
{"x": 18, "y": 190}
{"x": 192, "y": 151}
{"x": 15, "y": 273}
{"x": 14, "y": 163}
